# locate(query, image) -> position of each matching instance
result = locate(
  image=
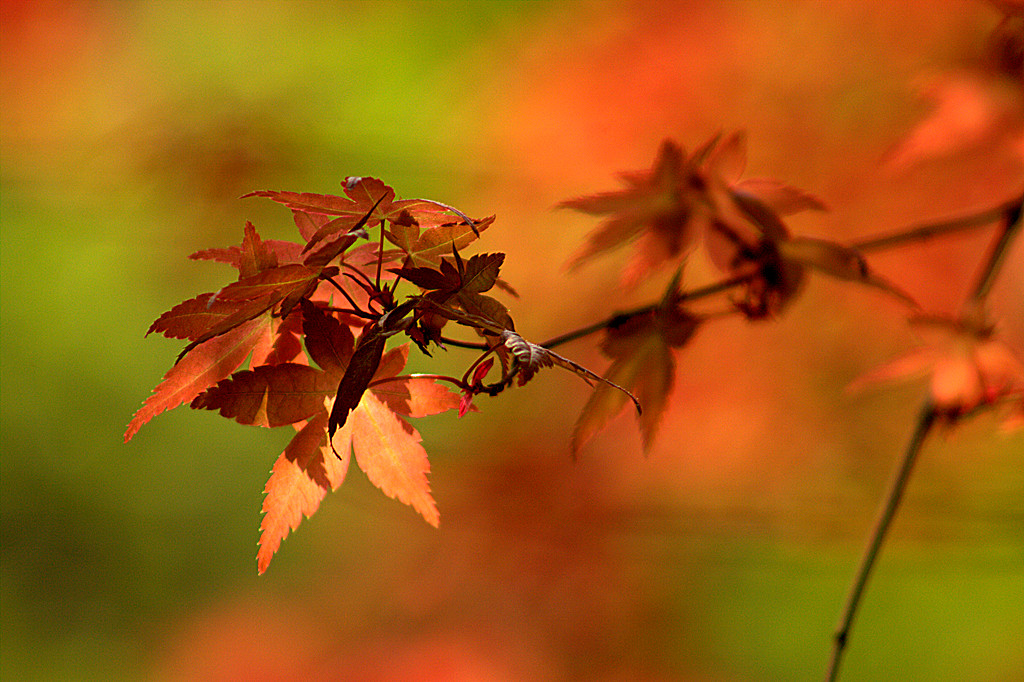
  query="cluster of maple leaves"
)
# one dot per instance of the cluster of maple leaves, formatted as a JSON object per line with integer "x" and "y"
{"x": 314, "y": 319}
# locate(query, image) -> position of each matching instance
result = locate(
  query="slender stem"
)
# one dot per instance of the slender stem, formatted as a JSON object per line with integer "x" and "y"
{"x": 612, "y": 321}
{"x": 380, "y": 255}
{"x": 349, "y": 298}
{"x": 1011, "y": 227}
{"x": 929, "y": 230}
{"x": 435, "y": 377}
{"x": 1011, "y": 214}
{"x": 874, "y": 546}
{"x": 620, "y": 318}
{"x": 350, "y": 311}
{"x": 472, "y": 345}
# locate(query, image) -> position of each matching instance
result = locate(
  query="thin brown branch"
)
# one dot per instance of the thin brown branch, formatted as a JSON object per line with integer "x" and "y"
{"x": 621, "y": 318}
{"x": 927, "y": 231}
{"x": 1011, "y": 228}
{"x": 878, "y": 535}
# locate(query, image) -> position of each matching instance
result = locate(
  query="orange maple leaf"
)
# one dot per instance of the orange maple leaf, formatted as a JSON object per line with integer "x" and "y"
{"x": 387, "y": 448}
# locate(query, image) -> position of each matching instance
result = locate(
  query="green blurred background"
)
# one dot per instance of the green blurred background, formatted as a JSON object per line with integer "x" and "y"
{"x": 130, "y": 129}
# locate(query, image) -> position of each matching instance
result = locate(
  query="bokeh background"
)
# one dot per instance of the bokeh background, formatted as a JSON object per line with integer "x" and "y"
{"x": 130, "y": 129}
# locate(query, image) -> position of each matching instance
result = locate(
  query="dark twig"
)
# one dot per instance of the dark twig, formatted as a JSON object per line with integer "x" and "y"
{"x": 1011, "y": 226}
{"x": 885, "y": 517}
{"x": 929, "y": 230}
{"x": 621, "y": 318}
{"x": 1011, "y": 214}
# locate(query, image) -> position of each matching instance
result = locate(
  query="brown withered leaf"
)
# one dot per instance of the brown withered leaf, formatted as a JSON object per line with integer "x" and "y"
{"x": 838, "y": 261}
{"x": 531, "y": 357}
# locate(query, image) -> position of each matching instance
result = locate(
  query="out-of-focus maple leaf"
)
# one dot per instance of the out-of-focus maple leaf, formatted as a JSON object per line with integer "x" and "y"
{"x": 979, "y": 109}
{"x": 662, "y": 206}
{"x": 641, "y": 349}
{"x": 760, "y": 249}
{"x": 972, "y": 110}
{"x": 666, "y": 209}
{"x": 1006, "y": 44}
{"x": 969, "y": 367}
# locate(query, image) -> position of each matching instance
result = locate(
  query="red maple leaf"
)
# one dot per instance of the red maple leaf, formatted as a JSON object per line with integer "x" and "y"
{"x": 227, "y": 326}
{"x": 387, "y": 448}
{"x": 969, "y": 366}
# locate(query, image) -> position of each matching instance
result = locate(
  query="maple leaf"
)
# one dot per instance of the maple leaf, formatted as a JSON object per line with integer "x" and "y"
{"x": 287, "y": 392}
{"x": 668, "y": 207}
{"x": 969, "y": 367}
{"x": 301, "y": 477}
{"x": 280, "y": 287}
{"x": 192, "y": 318}
{"x": 306, "y": 470}
{"x": 264, "y": 286}
{"x": 270, "y": 395}
{"x": 641, "y": 348}
{"x": 254, "y": 255}
{"x": 424, "y": 243}
{"x": 388, "y": 450}
{"x": 460, "y": 284}
{"x": 208, "y": 363}
{"x": 386, "y": 447}
{"x": 664, "y": 204}
{"x": 972, "y": 111}
{"x": 332, "y": 223}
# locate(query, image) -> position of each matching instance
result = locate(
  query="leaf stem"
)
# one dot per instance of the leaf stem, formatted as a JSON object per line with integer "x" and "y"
{"x": 885, "y": 517}
{"x": 380, "y": 255}
{"x": 348, "y": 297}
{"x": 471, "y": 345}
{"x": 435, "y": 377}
